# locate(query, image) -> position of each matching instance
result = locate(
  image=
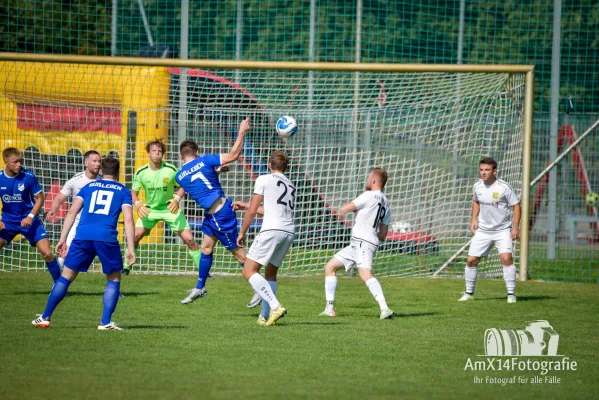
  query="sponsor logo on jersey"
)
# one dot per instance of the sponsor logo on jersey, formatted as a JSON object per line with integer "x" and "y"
{"x": 21, "y": 187}
{"x": 495, "y": 195}
{"x": 15, "y": 198}
{"x": 165, "y": 181}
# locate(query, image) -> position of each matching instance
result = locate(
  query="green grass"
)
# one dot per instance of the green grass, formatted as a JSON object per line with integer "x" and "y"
{"x": 213, "y": 348}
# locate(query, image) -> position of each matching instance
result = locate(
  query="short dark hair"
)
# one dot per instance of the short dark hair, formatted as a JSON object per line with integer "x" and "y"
{"x": 382, "y": 175}
{"x": 488, "y": 161}
{"x": 156, "y": 142}
{"x": 89, "y": 153}
{"x": 279, "y": 160}
{"x": 11, "y": 152}
{"x": 110, "y": 166}
{"x": 188, "y": 147}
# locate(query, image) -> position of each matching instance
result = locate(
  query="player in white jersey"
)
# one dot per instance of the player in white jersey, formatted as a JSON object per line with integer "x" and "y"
{"x": 275, "y": 237}
{"x": 71, "y": 188}
{"x": 492, "y": 224}
{"x": 371, "y": 224}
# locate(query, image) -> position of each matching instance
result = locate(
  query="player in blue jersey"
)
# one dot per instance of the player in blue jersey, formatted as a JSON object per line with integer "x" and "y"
{"x": 100, "y": 203}
{"x": 22, "y": 198}
{"x": 199, "y": 177}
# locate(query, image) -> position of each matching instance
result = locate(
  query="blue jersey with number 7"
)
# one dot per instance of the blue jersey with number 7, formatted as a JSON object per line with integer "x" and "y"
{"x": 199, "y": 178}
{"x": 102, "y": 204}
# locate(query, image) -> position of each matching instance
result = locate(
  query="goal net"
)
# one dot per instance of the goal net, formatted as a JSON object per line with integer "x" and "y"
{"x": 427, "y": 129}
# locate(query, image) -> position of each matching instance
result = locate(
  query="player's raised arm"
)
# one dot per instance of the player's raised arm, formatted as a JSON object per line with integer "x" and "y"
{"x": 235, "y": 152}
{"x": 249, "y": 217}
{"x": 348, "y": 207}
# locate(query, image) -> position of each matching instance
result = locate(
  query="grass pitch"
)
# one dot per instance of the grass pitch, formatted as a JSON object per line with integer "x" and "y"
{"x": 213, "y": 348}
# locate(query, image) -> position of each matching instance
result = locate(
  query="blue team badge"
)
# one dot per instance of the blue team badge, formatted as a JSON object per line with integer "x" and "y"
{"x": 21, "y": 187}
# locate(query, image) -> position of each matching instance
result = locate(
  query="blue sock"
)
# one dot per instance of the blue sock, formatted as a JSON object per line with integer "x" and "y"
{"x": 54, "y": 269}
{"x": 265, "y": 306}
{"x": 205, "y": 265}
{"x": 59, "y": 290}
{"x": 111, "y": 297}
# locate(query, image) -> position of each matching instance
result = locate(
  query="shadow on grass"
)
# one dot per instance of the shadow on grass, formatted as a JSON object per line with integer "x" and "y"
{"x": 520, "y": 298}
{"x": 323, "y": 323}
{"x": 422, "y": 314}
{"x": 155, "y": 327}
{"x": 76, "y": 293}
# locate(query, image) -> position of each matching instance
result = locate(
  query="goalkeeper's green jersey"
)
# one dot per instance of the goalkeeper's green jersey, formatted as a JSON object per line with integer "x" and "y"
{"x": 159, "y": 185}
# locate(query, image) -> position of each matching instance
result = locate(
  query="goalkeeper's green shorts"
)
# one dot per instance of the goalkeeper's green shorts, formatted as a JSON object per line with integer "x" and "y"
{"x": 176, "y": 222}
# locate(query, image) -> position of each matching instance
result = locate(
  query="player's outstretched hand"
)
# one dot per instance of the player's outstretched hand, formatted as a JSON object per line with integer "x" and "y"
{"x": 61, "y": 247}
{"x": 473, "y": 227}
{"x": 240, "y": 239}
{"x": 240, "y": 205}
{"x": 143, "y": 210}
{"x": 1, "y": 225}
{"x": 130, "y": 257}
{"x": 173, "y": 206}
{"x": 26, "y": 221}
{"x": 223, "y": 169}
{"x": 51, "y": 216}
{"x": 244, "y": 127}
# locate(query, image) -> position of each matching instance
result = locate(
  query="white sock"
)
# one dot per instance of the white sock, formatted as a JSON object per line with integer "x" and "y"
{"x": 470, "y": 276}
{"x": 330, "y": 287}
{"x": 509, "y": 276}
{"x": 60, "y": 262}
{"x": 377, "y": 292}
{"x": 265, "y": 306}
{"x": 262, "y": 287}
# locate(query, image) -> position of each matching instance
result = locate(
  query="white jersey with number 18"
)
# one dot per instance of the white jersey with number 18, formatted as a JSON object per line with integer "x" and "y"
{"x": 279, "y": 198}
{"x": 372, "y": 211}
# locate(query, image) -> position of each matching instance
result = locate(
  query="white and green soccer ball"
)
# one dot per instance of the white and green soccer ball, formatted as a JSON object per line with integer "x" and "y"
{"x": 592, "y": 199}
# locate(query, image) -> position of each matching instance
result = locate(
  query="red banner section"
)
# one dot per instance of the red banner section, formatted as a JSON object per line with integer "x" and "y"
{"x": 47, "y": 118}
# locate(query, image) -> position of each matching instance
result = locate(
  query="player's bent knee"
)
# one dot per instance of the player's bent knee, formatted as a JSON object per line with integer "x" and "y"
{"x": 506, "y": 259}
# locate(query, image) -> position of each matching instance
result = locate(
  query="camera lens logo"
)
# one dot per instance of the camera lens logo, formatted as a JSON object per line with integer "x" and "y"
{"x": 536, "y": 339}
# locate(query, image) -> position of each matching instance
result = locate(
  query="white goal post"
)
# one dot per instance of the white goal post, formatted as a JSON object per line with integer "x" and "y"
{"x": 427, "y": 125}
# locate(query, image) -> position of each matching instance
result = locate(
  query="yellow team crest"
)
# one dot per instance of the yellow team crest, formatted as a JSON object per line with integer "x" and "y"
{"x": 495, "y": 195}
{"x": 165, "y": 181}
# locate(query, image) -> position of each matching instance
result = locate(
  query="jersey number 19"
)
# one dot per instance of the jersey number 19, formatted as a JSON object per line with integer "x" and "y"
{"x": 100, "y": 203}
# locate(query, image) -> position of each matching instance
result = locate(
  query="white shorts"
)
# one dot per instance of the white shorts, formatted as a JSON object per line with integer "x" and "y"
{"x": 482, "y": 242}
{"x": 72, "y": 232}
{"x": 359, "y": 253}
{"x": 270, "y": 247}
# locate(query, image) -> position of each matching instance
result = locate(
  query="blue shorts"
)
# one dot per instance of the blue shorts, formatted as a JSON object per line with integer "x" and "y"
{"x": 82, "y": 252}
{"x": 223, "y": 225}
{"x": 33, "y": 233}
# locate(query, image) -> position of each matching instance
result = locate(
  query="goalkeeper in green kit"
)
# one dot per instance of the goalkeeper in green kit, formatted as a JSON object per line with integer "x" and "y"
{"x": 158, "y": 181}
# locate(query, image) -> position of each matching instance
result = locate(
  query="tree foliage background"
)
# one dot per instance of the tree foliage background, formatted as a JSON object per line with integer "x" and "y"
{"x": 401, "y": 31}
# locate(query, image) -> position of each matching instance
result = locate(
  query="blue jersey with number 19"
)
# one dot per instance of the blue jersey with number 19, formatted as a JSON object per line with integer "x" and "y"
{"x": 102, "y": 204}
{"x": 199, "y": 178}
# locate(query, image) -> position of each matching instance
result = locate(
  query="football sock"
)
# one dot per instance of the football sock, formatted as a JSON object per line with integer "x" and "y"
{"x": 377, "y": 292}
{"x": 59, "y": 290}
{"x": 262, "y": 287}
{"x": 509, "y": 276}
{"x": 195, "y": 256}
{"x": 265, "y": 306}
{"x": 470, "y": 277}
{"x": 204, "y": 271}
{"x": 330, "y": 287}
{"x": 54, "y": 269}
{"x": 111, "y": 298}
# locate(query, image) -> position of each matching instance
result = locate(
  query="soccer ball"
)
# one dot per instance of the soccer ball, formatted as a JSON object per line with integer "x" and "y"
{"x": 286, "y": 126}
{"x": 592, "y": 198}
